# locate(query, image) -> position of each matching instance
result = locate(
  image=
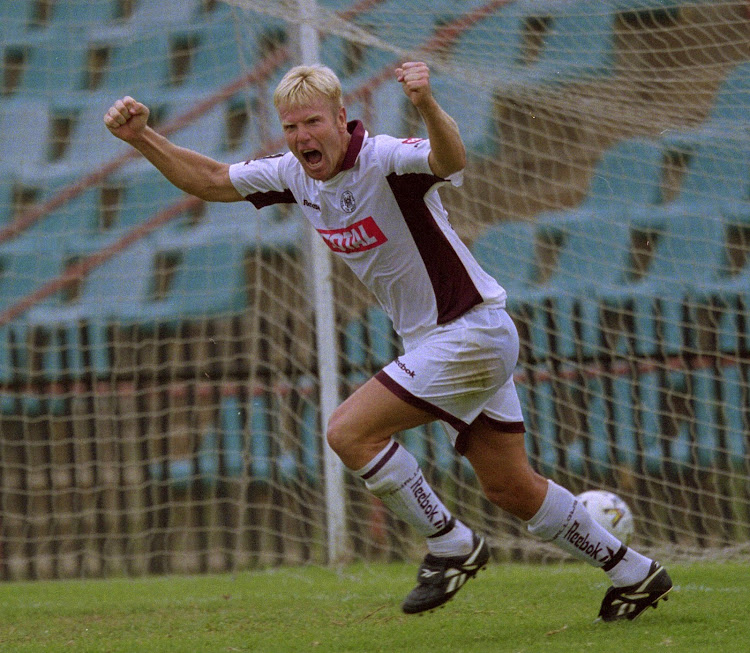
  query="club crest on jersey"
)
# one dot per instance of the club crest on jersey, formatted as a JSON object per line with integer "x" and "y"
{"x": 347, "y": 202}
{"x": 359, "y": 237}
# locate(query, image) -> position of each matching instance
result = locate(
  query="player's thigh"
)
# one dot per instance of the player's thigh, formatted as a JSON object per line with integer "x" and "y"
{"x": 502, "y": 467}
{"x": 368, "y": 418}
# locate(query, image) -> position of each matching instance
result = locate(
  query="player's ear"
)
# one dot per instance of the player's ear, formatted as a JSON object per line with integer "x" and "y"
{"x": 341, "y": 119}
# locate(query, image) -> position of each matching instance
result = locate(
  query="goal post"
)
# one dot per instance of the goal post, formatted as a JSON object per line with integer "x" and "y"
{"x": 167, "y": 366}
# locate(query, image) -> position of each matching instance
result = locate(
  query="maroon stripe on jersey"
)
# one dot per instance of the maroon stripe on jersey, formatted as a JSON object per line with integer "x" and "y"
{"x": 357, "y": 130}
{"x": 403, "y": 394}
{"x": 270, "y": 197}
{"x": 455, "y": 292}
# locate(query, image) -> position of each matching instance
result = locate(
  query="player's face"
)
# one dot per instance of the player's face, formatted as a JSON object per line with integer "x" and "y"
{"x": 316, "y": 134}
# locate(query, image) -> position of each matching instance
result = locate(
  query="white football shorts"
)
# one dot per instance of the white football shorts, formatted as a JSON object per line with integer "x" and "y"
{"x": 462, "y": 371}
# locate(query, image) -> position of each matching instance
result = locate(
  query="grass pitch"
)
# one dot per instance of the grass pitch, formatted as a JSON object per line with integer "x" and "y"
{"x": 507, "y": 608}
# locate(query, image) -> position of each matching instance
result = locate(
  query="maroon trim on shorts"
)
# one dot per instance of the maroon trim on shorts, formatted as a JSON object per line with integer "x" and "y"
{"x": 403, "y": 394}
{"x": 379, "y": 465}
{"x": 503, "y": 427}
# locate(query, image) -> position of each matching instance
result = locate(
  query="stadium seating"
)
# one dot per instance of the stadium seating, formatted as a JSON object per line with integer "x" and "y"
{"x": 577, "y": 44}
{"x": 733, "y": 388}
{"x": 22, "y": 273}
{"x": 77, "y": 15}
{"x": 89, "y": 144}
{"x": 222, "y": 52}
{"x": 76, "y": 331}
{"x": 507, "y": 251}
{"x": 56, "y": 63}
{"x": 24, "y": 126}
{"x": 137, "y": 60}
{"x": 581, "y": 274}
{"x": 477, "y": 121}
{"x": 370, "y": 340}
{"x": 729, "y": 118}
{"x": 208, "y": 280}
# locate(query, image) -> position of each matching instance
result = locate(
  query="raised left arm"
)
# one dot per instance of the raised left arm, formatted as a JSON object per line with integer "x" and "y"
{"x": 448, "y": 154}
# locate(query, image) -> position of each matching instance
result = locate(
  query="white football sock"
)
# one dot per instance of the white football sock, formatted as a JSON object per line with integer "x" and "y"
{"x": 395, "y": 478}
{"x": 565, "y": 522}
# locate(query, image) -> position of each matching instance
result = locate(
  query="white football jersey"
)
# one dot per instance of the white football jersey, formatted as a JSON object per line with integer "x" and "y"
{"x": 382, "y": 214}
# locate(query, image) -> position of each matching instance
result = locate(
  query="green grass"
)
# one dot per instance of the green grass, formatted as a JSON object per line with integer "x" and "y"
{"x": 509, "y": 607}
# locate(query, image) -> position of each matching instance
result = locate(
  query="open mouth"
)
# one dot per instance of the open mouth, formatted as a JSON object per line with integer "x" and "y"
{"x": 312, "y": 157}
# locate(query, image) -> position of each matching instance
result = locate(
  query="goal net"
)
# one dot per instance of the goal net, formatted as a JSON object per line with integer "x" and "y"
{"x": 159, "y": 367}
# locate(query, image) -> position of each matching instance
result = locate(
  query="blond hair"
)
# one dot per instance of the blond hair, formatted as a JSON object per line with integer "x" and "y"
{"x": 303, "y": 85}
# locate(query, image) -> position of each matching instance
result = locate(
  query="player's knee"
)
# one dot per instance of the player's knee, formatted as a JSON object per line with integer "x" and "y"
{"x": 337, "y": 434}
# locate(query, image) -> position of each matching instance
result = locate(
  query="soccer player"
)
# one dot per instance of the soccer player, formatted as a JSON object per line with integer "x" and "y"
{"x": 374, "y": 200}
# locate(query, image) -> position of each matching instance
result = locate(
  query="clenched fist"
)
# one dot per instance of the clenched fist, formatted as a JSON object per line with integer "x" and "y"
{"x": 415, "y": 78}
{"x": 127, "y": 119}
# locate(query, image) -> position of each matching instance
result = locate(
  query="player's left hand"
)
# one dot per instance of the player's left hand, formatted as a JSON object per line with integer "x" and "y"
{"x": 415, "y": 78}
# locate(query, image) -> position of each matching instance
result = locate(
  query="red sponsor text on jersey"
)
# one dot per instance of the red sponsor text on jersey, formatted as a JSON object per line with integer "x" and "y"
{"x": 359, "y": 237}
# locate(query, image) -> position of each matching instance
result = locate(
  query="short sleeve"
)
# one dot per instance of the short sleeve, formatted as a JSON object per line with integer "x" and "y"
{"x": 408, "y": 155}
{"x": 257, "y": 178}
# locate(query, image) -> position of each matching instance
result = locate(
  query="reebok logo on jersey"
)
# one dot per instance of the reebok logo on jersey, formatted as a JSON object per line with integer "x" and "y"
{"x": 312, "y": 205}
{"x": 361, "y": 236}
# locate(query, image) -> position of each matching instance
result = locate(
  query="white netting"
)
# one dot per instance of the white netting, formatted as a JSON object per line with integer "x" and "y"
{"x": 158, "y": 373}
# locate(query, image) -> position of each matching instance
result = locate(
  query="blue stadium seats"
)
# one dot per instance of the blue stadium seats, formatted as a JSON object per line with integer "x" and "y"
{"x": 705, "y": 411}
{"x": 208, "y": 280}
{"x": 370, "y": 341}
{"x": 583, "y": 271}
{"x": 75, "y": 220}
{"x": 405, "y": 35}
{"x": 309, "y": 432}
{"x": 735, "y": 416}
{"x": 16, "y": 17}
{"x": 24, "y": 129}
{"x": 76, "y": 331}
{"x": 259, "y": 419}
{"x": 507, "y": 251}
{"x": 628, "y": 173}
{"x": 598, "y": 424}
{"x": 496, "y": 39}
{"x": 729, "y": 117}
{"x": 57, "y": 64}
{"x": 577, "y": 44}
{"x": 178, "y": 12}
{"x": 473, "y": 107}
{"x": 22, "y": 273}
{"x": 732, "y": 102}
{"x": 207, "y": 133}
{"x": 144, "y": 193}
{"x": 90, "y": 143}
{"x": 381, "y": 107}
{"x": 223, "y": 53}
{"x": 546, "y": 424}
{"x": 650, "y": 429}
{"x": 75, "y": 15}
{"x": 240, "y": 222}
{"x": 688, "y": 252}
{"x": 137, "y": 61}
{"x": 627, "y": 176}
{"x": 7, "y": 183}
